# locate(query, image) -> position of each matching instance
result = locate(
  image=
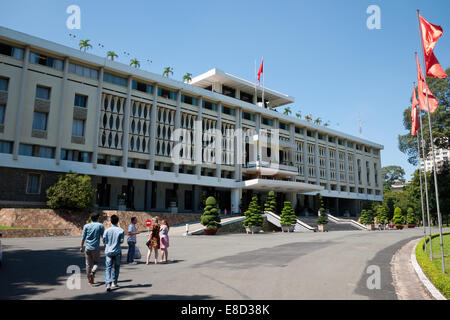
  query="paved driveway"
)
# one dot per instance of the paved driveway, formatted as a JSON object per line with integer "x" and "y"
{"x": 329, "y": 265}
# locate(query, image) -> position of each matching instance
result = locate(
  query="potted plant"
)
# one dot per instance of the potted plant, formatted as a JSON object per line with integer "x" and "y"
{"x": 271, "y": 203}
{"x": 398, "y": 218}
{"x": 382, "y": 217}
{"x": 322, "y": 221}
{"x": 411, "y": 218}
{"x": 287, "y": 218}
{"x": 210, "y": 217}
{"x": 367, "y": 219}
{"x": 253, "y": 219}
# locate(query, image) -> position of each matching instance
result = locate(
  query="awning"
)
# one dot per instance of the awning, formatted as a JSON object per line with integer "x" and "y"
{"x": 279, "y": 185}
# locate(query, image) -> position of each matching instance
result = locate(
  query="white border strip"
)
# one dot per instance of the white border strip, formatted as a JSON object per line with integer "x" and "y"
{"x": 422, "y": 277}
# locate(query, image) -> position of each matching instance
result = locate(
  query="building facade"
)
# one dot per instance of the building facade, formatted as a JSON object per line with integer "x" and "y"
{"x": 63, "y": 110}
{"x": 441, "y": 156}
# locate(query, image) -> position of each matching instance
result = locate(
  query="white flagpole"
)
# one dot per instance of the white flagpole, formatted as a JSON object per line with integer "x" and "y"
{"x": 256, "y": 84}
{"x": 263, "y": 104}
{"x": 425, "y": 180}
{"x": 421, "y": 192}
{"x": 436, "y": 189}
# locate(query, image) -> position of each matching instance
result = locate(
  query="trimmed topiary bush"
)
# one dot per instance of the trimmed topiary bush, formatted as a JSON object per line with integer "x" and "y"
{"x": 398, "y": 218}
{"x": 322, "y": 219}
{"x": 382, "y": 216}
{"x": 366, "y": 217}
{"x": 210, "y": 217}
{"x": 253, "y": 216}
{"x": 287, "y": 217}
{"x": 411, "y": 216}
{"x": 271, "y": 203}
{"x": 72, "y": 191}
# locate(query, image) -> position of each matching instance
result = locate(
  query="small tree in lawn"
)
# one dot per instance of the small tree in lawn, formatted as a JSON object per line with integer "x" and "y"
{"x": 398, "y": 218}
{"x": 72, "y": 191}
{"x": 271, "y": 203}
{"x": 253, "y": 216}
{"x": 411, "y": 216}
{"x": 287, "y": 217}
{"x": 210, "y": 217}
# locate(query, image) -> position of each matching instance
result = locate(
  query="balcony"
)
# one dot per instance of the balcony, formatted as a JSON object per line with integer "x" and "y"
{"x": 267, "y": 168}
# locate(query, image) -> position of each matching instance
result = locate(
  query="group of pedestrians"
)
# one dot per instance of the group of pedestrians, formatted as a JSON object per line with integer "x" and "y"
{"x": 112, "y": 239}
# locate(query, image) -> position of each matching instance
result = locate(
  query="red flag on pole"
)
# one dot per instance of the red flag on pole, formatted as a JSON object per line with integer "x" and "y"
{"x": 415, "y": 123}
{"x": 423, "y": 89}
{"x": 430, "y": 35}
{"x": 261, "y": 70}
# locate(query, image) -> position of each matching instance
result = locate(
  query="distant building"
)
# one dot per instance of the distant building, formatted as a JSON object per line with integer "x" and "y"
{"x": 399, "y": 185}
{"x": 442, "y": 157}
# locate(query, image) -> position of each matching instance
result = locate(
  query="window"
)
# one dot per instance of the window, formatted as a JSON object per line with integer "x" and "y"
{"x": 43, "y": 93}
{"x": 310, "y": 133}
{"x": 267, "y": 121}
{"x": 80, "y": 101}
{"x": 341, "y": 142}
{"x": 5, "y": 147}
{"x": 78, "y": 128}
{"x": 332, "y": 139}
{"x": 284, "y": 126}
{"x": 321, "y": 136}
{"x": 4, "y": 84}
{"x": 114, "y": 161}
{"x": 143, "y": 87}
{"x": 189, "y": 100}
{"x": 46, "y": 61}
{"x": 84, "y": 157}
{"x": 246, "y": 97}
{"x": 40, "y": 121}
{"x": 33, "y": 183}
{"x": 83, "y": 71}
{"x": 167, "y": 94}
{"x": 45, "y": 152}
{"x": 120, "y": 81}
{"x": 209, "y": 105}
{"x": 298, "y": 130}
{"x": 230, "y": 92}
{"x": 350, "y": 144}
{"x": 2, "y": 113}
{"x": 248, "y": 116}
{"x": 228, "y": 110}
{"x": 26, "y": 150}
{"x": 11, "y": 51}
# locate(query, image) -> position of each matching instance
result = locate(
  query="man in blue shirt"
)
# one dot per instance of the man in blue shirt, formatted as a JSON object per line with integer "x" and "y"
{"x": 112, "y": 238}
{"x": 92, "y": 232}
{"x": 132, "y": 232}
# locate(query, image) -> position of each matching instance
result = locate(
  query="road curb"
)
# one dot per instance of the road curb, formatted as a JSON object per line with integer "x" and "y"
{"x": 422, "y": 277}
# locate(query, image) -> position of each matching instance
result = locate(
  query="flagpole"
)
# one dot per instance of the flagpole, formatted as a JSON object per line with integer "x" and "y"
{"x": 432, "y": 150}
{"x": 263, "y": 104}
{"x": 256, "y": 85}
{"x": 425, "y": 179}
{"x": 420, "y": 179}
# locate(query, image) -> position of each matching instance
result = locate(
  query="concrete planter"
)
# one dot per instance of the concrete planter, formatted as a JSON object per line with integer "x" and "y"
{"x": 411, "y": 225}
{"x": 370, "y": 227}
{"x": 252, "y": 230}
{"x": 210, "y": 232}
{"x": 288, "y": 228}
{"x": 322, "y": 227}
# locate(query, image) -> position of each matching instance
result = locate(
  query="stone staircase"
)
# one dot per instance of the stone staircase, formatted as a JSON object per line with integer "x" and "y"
{"x": 332, "y": 225}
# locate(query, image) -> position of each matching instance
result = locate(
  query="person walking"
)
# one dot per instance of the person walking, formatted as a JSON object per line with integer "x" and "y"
{"x": 112, "y": 238}
{"x": 153, "y": 242}
{"x": 164, "y": 240}
{"x": 131, "y": 240}
{"x": 92, "y": 232}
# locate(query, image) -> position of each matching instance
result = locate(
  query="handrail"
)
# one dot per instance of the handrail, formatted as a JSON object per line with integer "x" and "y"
{"x": 345, "y": 221}
{"x": 299, "y": 222}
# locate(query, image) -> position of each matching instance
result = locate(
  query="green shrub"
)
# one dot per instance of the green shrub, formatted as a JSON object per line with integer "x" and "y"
{"x": 322, "y": 219}
{"x": 72, "y": 191}
{"x": 382, "y": 217}
{"x": 287, "y": 217}
{"x": 411, "y": 216}
{"x": 210, "y": 217}
{"x": 366, "y": 217}
{"x": 253, "y": 216}
{"x": 398, "y": 218}
{"x": 271, "y": 203}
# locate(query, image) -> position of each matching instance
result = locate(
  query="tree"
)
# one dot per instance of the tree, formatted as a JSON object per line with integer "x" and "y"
{"x": 366, "y": 217}
{"x": 111, "y": 55}
{"x": 271, "y": 203}
{"x": 287, "y": 111}
{"x": 411, "y": 217}
{"x": 443, "y": 178}
{"x": 390, "y": 174}
{"x": 308, "y": 117}
{"x": 398, "y": 218}
{"x": 298, "y": 115}
{"x": 72, "y": 191}
{"x": 135, "y": 62}
{"x": 253, "y": 216}
{"x": 167, "y": 71}
{"x": 318, "y": 121}
{"x": 85, "y": 45}
{"x": 210, "y": 217}
{"x": 326, "y": 124}
{"x": 381, "y": 214}
{"x": 440, "y": 121}
{"x": 287, "y": 217}
{"x": 187, "y": 77}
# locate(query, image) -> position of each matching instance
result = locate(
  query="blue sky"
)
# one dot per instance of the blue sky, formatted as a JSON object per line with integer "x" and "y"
{"x": 320, "y": 52}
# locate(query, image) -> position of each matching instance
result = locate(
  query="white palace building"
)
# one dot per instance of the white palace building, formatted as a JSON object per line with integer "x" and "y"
{"x": 63, "y": 110}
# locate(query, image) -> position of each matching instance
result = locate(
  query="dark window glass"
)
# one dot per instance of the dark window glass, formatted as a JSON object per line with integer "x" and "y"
{"x": 246, "y": 97}
{"x": 43, "y": 93}
{"x": 5, "y": 147}
{"x": 4, "y": 84}
{"x": 230, "y": 92}
{"x": 33, "y": 183}
{"x": 25, "y": 149}
{"x": 80, "y": 101}
{"x": 40, "y": 120}
{"x": 2, "y": 113}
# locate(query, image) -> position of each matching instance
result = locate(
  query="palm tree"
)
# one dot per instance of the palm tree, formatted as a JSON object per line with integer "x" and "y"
{"x": 326, "y": 124}
{"x": 111, "y": 55}
{"x": 166, "y": 71}
{"x": 298, "y": 115}
{"x": 187, "y": 77}
{"x": 318, "y": 121}
{"x": 135, "y": 62}
{"x": 287, "y": 111}
{"x": 308, "y": 118}
{"x": 84, "y": 44}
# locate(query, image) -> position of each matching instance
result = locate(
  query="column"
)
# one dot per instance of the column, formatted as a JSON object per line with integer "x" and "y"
{"x": 176, "y": 167}
{"x": 19, "y": 114}
{"x": 198, "y": 145}
{"x": 126, "y": 126}
{"x": 292, "y": 150}
{"x": 316, "y": 157}
{"x": 305, "y": 155}
{"x": 219, "y": 143}
{"x": 347, "y": 180}
{"x": 338, "y": 170}
{"x": 236, "y": 195}
{"x": 153, "y": 116}
{"x": 61, "y": 111}
{"x": 327, "y": 161}
{"x": 97, "y": 117}
{"x": 238, "y": 146}
{"x": 364, "y": 173}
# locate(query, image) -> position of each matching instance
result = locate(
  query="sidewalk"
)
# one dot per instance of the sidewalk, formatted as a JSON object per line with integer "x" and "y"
{"x": 406, "y": 282}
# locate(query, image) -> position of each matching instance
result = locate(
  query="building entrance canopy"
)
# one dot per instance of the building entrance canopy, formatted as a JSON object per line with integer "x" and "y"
{"x": 279, "y": 185}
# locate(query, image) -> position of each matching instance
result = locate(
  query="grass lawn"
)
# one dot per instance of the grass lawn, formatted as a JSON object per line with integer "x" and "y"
{"x": 433, "y": 269}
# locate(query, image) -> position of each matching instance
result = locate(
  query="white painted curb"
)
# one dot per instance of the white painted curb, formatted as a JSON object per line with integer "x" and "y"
{"x": 422, "y": 277}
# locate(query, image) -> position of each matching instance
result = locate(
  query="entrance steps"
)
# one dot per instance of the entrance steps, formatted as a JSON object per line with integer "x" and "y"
{"x": 300, "y": 226}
